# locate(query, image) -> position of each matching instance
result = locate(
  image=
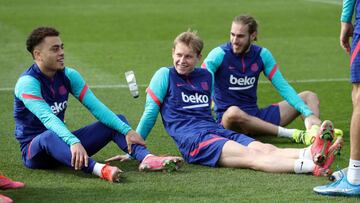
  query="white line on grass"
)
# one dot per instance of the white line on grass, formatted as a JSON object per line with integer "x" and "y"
{"x": 336, "y": 2}
{"x": 119, "y": 86}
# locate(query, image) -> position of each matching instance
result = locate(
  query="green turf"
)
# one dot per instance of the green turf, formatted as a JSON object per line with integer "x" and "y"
{"x": 103, "y": 39}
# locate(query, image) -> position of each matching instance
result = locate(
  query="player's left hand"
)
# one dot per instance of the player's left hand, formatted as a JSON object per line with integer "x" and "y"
{"x": 133, "y": 137}
{"x": 311, "y": 120}
{"x": 120, "y": 158}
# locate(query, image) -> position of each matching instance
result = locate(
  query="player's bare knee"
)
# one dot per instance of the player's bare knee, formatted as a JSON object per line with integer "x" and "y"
{"x": 264, "y": 148}
{"x": 269, "y": 148}
{"x": 234, "y": 115}
{"x": 230, "y": 115}
{"x": 309, "y": 96}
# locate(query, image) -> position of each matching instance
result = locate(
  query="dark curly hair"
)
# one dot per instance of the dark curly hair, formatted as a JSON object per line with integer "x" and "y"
{"x": 38, "y": 35}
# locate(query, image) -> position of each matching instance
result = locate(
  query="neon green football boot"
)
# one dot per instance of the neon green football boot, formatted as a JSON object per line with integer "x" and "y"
{"x": 305, "y": 137}
{"x": 338, "y": 133}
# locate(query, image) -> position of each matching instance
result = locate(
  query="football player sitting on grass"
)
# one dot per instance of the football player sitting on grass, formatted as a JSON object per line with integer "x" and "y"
{"x": 41, "y": 98}
{"x": 181, "y": 93}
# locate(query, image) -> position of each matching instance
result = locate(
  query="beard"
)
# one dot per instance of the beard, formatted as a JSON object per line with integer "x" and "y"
{"x": 242, "y": 49}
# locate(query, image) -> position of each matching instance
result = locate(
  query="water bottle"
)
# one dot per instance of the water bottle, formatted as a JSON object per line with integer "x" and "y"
{"x": 131, "y": 81}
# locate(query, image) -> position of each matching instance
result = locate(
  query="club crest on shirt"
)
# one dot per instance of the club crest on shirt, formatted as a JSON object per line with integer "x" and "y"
{"x": 254, "y": 67}
{"x": 204, "y": 86}
{"x": 62, "y": 90}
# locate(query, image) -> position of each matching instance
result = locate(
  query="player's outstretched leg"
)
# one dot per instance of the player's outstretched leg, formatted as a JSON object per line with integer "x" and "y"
{"x": 161, "y": 163}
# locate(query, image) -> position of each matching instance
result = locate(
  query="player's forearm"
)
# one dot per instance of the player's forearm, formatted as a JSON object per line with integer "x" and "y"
{"x": 91, "y": 102}
{"x": 148, "y": 119}
{"x": 104, "y": 114}
{"x": 290, "y": 95}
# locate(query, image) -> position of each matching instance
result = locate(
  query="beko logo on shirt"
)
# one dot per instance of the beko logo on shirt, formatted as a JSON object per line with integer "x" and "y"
{"x": 198, "y": 99}
{"x": 245, "y": 82}
{"x": 58, "y": 107}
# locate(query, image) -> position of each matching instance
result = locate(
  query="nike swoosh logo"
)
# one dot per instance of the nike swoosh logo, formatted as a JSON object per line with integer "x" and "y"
{"x": 302, "y": 163}
{"x": 356, "y": 166}
{"x": 180, "y": 85}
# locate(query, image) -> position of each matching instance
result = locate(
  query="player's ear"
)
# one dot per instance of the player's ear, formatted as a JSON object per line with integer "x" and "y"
{"x": 37, "y": 54}
{"x": 172, "y": 52}
{"x": 253, "y": 36}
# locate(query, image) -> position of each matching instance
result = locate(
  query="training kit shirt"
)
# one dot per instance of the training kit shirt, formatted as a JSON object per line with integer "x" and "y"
{"x": 183, "y": 101}
{"x": 236, "y": 78}
{"x": 40, "y": 104}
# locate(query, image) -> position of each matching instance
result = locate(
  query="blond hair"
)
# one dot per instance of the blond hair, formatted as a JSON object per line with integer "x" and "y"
{"x": 190, "y": 39}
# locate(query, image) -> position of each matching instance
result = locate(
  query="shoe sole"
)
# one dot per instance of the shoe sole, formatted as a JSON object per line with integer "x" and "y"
{"x": 116, "y": 177}
{"x": 167, "y": 166}
{"x": 327, "y": 136}
{"x": 338, "y": 194}
{"x": 172, "y": 165}
{"x": 333, "y": 152}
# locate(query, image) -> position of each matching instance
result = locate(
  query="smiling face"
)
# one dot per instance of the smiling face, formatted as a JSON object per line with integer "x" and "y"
{"x": 241, "y": 38}
{"x": 49, "y": 54}
{"x": 184, "y": 58}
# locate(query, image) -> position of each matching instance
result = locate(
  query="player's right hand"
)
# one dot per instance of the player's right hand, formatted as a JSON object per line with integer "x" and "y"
{"x": 133, "y": 137}
{"x": 346, "y": 32}
{"x": 79, "y": 156}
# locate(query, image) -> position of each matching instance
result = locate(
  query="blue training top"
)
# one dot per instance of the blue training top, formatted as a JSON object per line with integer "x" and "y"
{"x": 183, "y": 101}
{"x": 40, "y": 104}
{"x": 236, "y": 79}
{"x": 348, "y": 11}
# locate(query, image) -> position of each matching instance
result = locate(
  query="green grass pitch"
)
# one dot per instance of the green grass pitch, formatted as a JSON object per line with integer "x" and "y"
{"x": 103, "y": 39}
